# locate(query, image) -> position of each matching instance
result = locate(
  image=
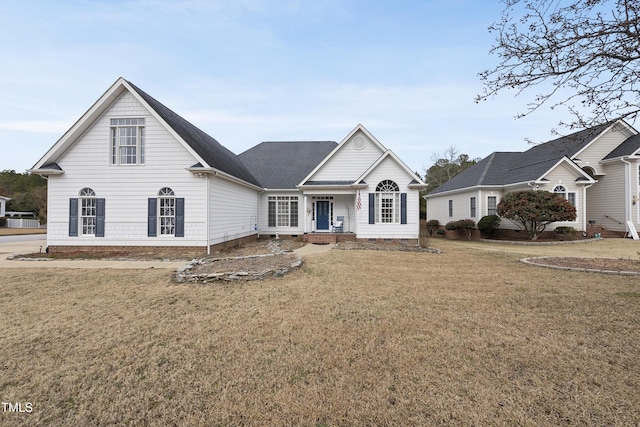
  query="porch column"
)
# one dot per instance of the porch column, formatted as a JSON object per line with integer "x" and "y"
{"x": 306, "y": 215}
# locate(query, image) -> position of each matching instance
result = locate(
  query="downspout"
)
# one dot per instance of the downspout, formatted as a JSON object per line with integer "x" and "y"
{"x": 627, "y": 206}
{"x": 584, "y": 206}
{"x": 208, "y": 215}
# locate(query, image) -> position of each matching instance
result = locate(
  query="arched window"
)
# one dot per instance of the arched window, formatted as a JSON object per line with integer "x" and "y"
{"x": 167, "y": 211}
{"x": 387, "y": 202}
{"x": 561, "y": 190}
{"x": 88, "y": 211}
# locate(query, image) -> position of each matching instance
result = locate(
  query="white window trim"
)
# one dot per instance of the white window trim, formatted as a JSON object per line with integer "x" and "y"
{"x": 116, "y": 146}
{"x": 387, "y": 191}
{"x": 167, "y": 213}
{"x": 87, "y": 203}
{"x": 284, "y": 211}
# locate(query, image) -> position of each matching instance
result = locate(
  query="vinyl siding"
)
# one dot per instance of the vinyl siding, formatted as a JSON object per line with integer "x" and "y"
{"x": 598, "y": 150}
{"x": 233, "y": 210}
{"x": 127, "y": 188}
{"x": 606, "y": 199}
{"x": 564, "y": 175}
{"x": 389, "y": 169}
{"x": 349, "y": 163}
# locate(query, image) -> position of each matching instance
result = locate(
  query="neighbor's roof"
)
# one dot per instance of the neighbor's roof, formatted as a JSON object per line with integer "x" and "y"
{"x": 503, "y": 168}
{"x": 210, "y": 150}
{"x": 283, "y": 165}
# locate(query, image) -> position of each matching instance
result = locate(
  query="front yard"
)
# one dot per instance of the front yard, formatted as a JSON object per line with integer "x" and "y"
{"x": 467, "y": 337}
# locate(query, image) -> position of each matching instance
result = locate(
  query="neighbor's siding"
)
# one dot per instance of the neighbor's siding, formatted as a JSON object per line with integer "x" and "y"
{"x": 600, "y": 148}
{"x": 126, "y": 188}
{"x": 607, "y": 198}
{"x": 233, "y": 210}
{"x": 349, "y": 163}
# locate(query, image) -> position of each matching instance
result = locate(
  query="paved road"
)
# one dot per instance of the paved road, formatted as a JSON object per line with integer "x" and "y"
{"x": 22, "y": 238}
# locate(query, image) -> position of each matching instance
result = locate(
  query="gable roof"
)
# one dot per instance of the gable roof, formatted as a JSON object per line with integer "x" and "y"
{"x": 211, "y": 151}
{"x": 504, "y": 168}
{"x": 283, "y": 165}
{"x": 629, "y": 147}
{"x": 204, "y": 148}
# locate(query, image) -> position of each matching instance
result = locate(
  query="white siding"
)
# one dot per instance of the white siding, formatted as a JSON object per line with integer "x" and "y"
{"x": 127, "y": 188}
{"x": 389, "y": 169}
{"x": 566, "y": 176}
{"x": 349, "y": 163}
{"x": 233, "y": 210}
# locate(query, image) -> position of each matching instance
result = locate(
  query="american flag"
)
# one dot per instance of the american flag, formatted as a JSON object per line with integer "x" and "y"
{"x": 359, "y": 202}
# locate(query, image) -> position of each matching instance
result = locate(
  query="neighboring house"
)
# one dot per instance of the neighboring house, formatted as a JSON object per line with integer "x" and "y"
{"x": 131, "y": 172}
{"x": 3, "y": 205}
{"x": 597, "y": 170}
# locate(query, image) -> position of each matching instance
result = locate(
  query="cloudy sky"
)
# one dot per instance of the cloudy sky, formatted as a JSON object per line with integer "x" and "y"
{"x": 247, "y": 71}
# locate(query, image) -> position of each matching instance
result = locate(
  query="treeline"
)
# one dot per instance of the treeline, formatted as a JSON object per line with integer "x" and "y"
{"x": 28, "y": 193}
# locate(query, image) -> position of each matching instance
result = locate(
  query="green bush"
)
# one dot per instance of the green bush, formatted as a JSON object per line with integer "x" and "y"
{"x": 489, "y": 223}
{"x": 461, "y": 226}
{"x": 432, "y": 225}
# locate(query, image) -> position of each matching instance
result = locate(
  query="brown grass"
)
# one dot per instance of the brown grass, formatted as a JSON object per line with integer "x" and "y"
{"x": 467, "y": 337}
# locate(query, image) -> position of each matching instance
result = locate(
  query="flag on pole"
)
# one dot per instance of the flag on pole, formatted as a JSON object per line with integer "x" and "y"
{"x": 359, "y": 202}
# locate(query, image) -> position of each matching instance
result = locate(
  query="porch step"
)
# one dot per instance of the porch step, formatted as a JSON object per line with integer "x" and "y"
{"x": 320, "y": 238}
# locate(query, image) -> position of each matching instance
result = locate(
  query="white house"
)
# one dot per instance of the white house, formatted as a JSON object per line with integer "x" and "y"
{"x": 597, "y": 170}
{"x": 3, "y": 205}
{"x": 132, "y": 173}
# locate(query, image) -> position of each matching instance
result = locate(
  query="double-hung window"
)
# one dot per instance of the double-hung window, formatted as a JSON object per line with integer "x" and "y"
{"x": 492, "y": 204}
{"x": 127, "y": 141}
{"x": 283, "y": 211}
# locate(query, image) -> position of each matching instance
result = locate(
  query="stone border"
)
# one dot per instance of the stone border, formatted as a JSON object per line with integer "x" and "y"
{"x": 535, "y": 243}
{"x": 532, "y": 261}
{"x": 184, "y": 274}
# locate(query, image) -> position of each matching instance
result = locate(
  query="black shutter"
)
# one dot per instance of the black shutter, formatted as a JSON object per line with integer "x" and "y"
{"x": 180, "y": 217}
{"x": 403, "y": 208}
{"x": 152, "y": 217}
{"x": 99, "y": 217}
{"x": 73, "y": 217}
{"x": 372, "y": 208}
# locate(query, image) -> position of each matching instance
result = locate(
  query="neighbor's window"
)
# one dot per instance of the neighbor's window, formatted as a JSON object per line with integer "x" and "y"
{"x": 562, "y": 191}
{"x": 283, "y": 211}
{"x": 492, "y": 203}
{"x": 472, "y": 207}
{"x": 387, "y": 202}
{"x": 450, "y": 208}
{"x": 127, "y": 141}
{"x": 88, "y": 211}
{"x": 167, "y": 212}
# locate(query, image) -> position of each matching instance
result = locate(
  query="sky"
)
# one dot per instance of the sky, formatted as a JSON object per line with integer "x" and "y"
{"x": 247, "y": 71}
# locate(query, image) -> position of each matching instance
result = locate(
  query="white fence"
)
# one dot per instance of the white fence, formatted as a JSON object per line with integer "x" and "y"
{"x": 24, "y": 223}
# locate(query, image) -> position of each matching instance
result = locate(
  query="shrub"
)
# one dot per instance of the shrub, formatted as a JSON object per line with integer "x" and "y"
{"x": 489, "y": 223}
{"x": 440, "y": 231}
{"x": 3, "y": 221}
{"x": 462, "y": 226}
{"x": 432, "y": 225}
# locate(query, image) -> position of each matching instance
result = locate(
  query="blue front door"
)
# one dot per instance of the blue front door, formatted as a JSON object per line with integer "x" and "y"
{"x": 322, "y": 215}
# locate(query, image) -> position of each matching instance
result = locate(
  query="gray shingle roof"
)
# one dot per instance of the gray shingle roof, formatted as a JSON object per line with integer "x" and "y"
{"x": 284, "y": 165}
{"x": 210, "y": 150}
{"x": 502, "y": 168}
{"x": 627, "y": 148}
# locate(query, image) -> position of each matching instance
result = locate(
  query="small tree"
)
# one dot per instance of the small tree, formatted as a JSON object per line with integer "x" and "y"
{"x": 532, "y": 210}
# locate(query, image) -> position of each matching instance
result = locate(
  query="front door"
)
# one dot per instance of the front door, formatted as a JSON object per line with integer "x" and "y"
{"x": 322, "y": 215}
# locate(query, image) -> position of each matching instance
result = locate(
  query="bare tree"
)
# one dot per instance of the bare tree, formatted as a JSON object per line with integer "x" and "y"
{"x": 445, "y": 166}
{"x": 586, "y": 52}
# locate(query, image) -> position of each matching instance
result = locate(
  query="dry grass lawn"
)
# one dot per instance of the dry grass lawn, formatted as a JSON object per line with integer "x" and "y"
{"x": 20, "y": 231}
{"x": 467, "y": 337}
